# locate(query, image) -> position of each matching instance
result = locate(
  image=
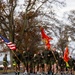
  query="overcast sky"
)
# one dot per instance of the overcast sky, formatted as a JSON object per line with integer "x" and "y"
{"x": 70, "y": 5}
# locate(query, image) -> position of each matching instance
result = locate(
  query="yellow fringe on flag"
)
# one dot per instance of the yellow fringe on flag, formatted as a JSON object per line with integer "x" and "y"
{"x": 67, "y": 65}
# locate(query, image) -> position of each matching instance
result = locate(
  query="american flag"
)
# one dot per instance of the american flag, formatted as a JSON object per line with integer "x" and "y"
{"x": 8, "y": 43}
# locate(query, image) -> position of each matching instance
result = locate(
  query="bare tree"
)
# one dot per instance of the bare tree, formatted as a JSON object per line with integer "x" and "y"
{"x": 23, "y": 29}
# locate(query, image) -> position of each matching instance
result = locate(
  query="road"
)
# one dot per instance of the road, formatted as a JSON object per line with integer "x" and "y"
{"x": 33, "y": 74}
{"x": 14, "y": 74}
{"x": 10, "y": 74}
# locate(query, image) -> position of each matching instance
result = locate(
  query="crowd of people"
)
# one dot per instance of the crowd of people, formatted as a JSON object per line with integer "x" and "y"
{"x": 46, "y": 62}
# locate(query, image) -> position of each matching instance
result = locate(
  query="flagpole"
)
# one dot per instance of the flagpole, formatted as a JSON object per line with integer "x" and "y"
{"x": 16, "y": 56}
{"x": 53, "y": 55}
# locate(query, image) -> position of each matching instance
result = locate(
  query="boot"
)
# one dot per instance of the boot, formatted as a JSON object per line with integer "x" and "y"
{"x": 18, "y": 73}
{"x": 15, "y": 73}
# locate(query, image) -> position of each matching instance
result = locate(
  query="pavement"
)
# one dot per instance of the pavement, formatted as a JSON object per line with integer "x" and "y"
{"x": 14, "y": 74}
{"x": 32, "y": 74}
{"x": 10, "y": 74}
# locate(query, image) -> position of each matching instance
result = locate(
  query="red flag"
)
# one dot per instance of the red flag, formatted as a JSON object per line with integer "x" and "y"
{"x": 66, "y": 54}
{"x": 48, "y": 45}
{"x": 46, "y": 38}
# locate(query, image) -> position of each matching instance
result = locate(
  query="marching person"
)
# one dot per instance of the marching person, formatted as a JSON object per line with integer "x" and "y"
{"x": 5, "y": 63}
{"x": 55, "y": 60}
{"x": 71, "y": 64}
{"x": 14, "y": 63}
{"x": 61, "y": 64}
{"x": 17, "y": 58}
{"x": 46, "y": 56}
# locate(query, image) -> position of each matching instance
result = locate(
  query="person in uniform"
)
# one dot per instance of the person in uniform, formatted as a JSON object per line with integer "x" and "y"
{"x": 61, "y": 64}
{"x": 17, "y": 58}
{"x": 14, "y": 64}
{"x": 54, "y": 60}
{"x": 71, "y": 64}
{"x": 27, "y": 60}
{"x": 46, "y": 59}
{"x": 5, "y": 63}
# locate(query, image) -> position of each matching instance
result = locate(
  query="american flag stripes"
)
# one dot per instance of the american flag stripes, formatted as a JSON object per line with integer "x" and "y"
{"x": 8, "y": 43}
